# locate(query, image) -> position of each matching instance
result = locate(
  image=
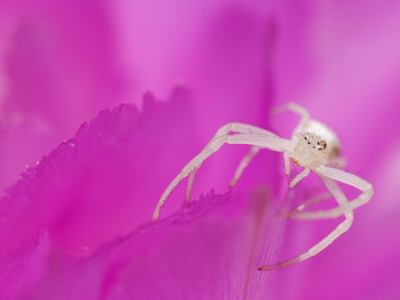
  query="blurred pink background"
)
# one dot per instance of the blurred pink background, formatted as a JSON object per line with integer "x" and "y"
{"x": 62, "y": 62}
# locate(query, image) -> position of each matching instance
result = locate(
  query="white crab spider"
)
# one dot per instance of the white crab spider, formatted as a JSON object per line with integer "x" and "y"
{"x": 313, "y": 146}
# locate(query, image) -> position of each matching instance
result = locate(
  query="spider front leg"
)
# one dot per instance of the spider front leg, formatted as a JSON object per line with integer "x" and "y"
{"x": 345, "y": 177}
{"x": 299, "y": 177}
{"x": 338, "y": 163}
{"x": 224, "y": 130}
{"x": 269, "y": 141}
{"x": 325, "y": 242}
{"x": 190, "y": 184}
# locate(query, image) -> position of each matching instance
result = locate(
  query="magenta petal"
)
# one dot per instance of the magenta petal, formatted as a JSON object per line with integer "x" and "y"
{"x": 24, "y": 268}
{"x": 105, "y": 181}
{"x": 210, "y": 249}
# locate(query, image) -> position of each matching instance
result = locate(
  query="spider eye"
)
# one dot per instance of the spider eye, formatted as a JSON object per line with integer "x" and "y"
{"x": 309, "y": 143}
{"x": 305, "y": 138}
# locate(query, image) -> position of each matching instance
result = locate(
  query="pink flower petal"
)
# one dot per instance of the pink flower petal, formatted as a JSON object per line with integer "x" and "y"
{"x": 25, "y": 267}
{"x": 210, "y": 248}
{"x": 105, "y": 181}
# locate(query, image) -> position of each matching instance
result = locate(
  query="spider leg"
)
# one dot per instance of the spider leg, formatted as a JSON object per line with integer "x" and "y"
{"x": 241, "y": 128}
{"x": 224, "y": 130}
{"x": 269, "y": 141}
{"x": 190, "y": 184}
{"x": 313, "y": 200}
{"x": 243, "y": 164}
{"x": 338, "y": 162}
{"x": 299, "y": 177}
{"x": 345, "y": 177}
{"x": 326, "y": 241}
{"x": 286, "y": 158}
{"x": 293, "y": 107}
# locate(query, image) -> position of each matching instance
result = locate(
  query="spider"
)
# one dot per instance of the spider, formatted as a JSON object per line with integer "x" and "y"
{"x": 314, "y": 147}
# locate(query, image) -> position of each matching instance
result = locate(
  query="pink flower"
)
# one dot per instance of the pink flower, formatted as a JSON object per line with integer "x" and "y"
{"x": 77, "y": 226}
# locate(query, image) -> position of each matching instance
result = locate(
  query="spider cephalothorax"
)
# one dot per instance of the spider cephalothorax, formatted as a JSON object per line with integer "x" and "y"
{"x": 313, "y": 146}
{"x": 310, "y": 148}
{"x": 314, "y": 141}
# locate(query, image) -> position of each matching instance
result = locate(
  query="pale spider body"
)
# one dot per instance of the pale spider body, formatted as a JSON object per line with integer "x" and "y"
{"x": 313, "y": 146}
